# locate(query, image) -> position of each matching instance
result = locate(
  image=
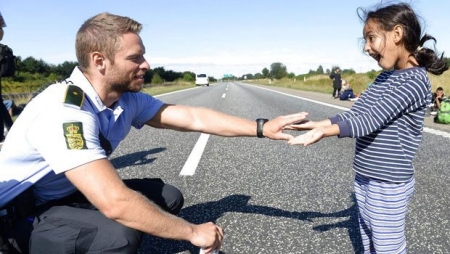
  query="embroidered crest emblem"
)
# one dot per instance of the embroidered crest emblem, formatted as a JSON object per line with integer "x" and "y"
{"x": 73, "y": 132}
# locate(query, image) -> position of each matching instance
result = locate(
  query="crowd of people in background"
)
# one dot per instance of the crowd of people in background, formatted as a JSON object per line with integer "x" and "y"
{"x": 343, "y": 90}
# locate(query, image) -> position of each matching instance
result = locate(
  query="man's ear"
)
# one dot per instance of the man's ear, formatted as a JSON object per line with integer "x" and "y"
{"x": 98, "y": 60}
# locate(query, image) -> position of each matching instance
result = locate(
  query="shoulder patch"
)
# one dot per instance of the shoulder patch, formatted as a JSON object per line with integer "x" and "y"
{"x": 74, "y": 96}
{"x": 73, "y": 133}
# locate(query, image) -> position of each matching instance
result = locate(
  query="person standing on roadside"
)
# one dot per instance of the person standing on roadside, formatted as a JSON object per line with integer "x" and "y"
{"x": 5, "y": 119}
{"x": 337, "y": 82}
{"x": 62, "y": 157}
{"x": 387, "y": 122}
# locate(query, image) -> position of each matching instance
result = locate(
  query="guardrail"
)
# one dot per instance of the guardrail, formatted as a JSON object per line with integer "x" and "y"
{"x": 16, "y": 96}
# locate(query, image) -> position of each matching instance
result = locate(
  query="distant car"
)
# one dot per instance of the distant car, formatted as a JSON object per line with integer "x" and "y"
{"x": 201, "y": 80}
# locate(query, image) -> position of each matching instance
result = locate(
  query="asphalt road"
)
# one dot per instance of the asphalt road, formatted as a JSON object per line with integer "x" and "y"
{"x": 274, "y": 198}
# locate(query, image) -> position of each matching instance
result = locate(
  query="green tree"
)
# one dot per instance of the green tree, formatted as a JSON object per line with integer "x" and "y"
{"x": 348, "y": 71}
{"x": 265, "y": 72}
{"x": 319, "y": 70}
{"x": 170, "y": 76}
{"x": 258, "y": 76}
{"x": 32, "y": 65}
{"x": 247, "y": 76}
{"x": 160, "y": 71}
{"x": 148, "y": 76}
{"x": 65, "y": 69}
{"x": 156, "y": 79}
{"x": 372, "y": 74}
{"x": 188, "y": 77}
{"x": 278, "y": 70}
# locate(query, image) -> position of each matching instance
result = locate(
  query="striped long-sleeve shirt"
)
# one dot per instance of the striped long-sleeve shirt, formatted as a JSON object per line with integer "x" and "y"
{"x": 387, "y": 122}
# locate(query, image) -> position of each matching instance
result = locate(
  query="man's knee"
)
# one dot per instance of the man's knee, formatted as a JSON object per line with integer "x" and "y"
{"x": 174, "y": 199}
{"x": 122, "y": 239}
{"x": 166, "y": 196}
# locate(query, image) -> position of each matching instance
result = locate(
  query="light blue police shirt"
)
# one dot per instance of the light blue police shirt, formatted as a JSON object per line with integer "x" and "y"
{"x": 51, "y": 137}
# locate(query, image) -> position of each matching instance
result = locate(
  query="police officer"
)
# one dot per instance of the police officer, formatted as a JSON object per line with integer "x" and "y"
{"x": 59, "y": 145}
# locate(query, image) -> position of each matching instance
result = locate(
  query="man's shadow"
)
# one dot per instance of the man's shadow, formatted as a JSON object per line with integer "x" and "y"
{"x": 211, "y": 211}
{"x": 351, "y": 224}
{"x": 137, "y": 158}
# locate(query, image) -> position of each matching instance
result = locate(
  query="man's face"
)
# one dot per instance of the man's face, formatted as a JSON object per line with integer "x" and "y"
{"x": 127, "y": 72}
{"x": 439, "y": 93}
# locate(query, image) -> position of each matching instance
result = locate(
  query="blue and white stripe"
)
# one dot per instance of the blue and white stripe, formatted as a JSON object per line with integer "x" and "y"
{"x": 382, "y": 208}
{"x": 387, "y": 122}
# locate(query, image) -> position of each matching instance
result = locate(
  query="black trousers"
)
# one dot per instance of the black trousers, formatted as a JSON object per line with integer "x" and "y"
{"x": 73, "y": 225}
{"x": 336, "y": 92}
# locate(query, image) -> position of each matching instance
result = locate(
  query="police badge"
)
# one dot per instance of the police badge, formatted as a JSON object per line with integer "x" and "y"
{"x": 73, "y": 132}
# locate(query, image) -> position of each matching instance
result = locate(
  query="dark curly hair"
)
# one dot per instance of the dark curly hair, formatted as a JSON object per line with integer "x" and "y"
{"x": 402, "y": 14}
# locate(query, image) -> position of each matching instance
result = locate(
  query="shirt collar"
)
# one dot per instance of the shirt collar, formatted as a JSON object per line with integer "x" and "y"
{"x": 77, "y": 78}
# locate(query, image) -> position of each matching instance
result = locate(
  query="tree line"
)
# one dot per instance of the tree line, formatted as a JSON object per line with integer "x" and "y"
{"x": 32, "y": 74}
{"x": 279, "y": 71}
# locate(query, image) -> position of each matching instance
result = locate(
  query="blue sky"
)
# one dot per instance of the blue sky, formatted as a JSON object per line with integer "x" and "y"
{"x": 216, "y": 37}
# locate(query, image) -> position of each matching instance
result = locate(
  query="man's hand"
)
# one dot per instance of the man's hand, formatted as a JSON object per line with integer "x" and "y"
{"x": 208, "y": 236}
{"x": 273, "y": 129}
{"x": 302, "y": 125}
{"x": 308, "y": 138}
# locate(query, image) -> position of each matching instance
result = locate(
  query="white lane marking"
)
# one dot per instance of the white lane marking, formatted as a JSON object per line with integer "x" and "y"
{"x": 425, "y": 129}
{"x": 192, "y": 162}
{"x": 194, "y": 158}
{"x": 302, "y": 98}
{"x": 179, "y": 91}
{"x": 437, "y": 132}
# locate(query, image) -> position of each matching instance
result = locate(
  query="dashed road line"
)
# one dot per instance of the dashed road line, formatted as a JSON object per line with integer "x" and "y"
{"x": 190, "y": 166}
{"x": 196, "y": 154}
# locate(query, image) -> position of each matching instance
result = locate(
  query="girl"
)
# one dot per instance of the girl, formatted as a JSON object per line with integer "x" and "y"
{"x": 387, "y": 122}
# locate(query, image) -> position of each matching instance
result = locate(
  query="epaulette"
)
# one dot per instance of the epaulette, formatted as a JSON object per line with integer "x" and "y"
{"x": 74, "y": 96}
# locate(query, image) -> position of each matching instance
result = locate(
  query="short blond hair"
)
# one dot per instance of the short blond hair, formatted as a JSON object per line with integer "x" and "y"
{"x": 102, "y": 33}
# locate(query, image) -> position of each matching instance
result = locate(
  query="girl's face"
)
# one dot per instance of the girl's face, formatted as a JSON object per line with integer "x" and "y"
{"x": 382, "y": 46}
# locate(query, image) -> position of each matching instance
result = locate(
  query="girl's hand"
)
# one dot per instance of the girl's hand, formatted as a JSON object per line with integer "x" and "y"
{"x": 308, "y": 138}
